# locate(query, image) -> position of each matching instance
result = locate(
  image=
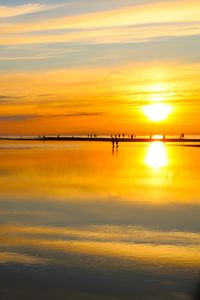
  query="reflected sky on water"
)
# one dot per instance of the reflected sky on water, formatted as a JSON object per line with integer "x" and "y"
{"x": 84, "y": 221}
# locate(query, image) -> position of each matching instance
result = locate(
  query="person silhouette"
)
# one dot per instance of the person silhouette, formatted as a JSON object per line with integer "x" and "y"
{"x": 113, "y": 142}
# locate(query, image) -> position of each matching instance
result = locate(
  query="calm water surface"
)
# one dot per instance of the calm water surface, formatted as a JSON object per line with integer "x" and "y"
{"x": 84, "y": 221}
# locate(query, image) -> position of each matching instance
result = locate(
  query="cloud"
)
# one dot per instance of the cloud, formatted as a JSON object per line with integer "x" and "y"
{"x": 19, "y": 10}
{"x": 83, "y": 114}
{"x": 153, "y": 13}
{"x": 17, "y": 118}
{"x": 32, "y": 117}
{"x": 22, "y": 58}
{"x": 6, "y": 99}
{"x": 139, "y": 34}
{"x": 106, "y": 83}
{"x": 136, "y": 23}
{"x": 134, "y": 34}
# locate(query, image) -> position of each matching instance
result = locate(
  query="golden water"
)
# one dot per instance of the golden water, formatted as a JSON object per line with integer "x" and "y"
{"x": 85, "y": 221}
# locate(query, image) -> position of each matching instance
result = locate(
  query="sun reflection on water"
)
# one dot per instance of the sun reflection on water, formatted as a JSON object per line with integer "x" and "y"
{"x": 156, "y": 155}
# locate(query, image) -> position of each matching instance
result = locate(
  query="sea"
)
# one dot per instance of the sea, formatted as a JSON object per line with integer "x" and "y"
{"x": 88, "y": 221}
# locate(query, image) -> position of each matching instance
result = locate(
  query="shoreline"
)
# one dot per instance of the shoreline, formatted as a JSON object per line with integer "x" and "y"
{"x": 102, "y": 139}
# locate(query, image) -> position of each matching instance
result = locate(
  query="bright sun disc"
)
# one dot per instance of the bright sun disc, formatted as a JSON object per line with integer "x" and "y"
{"x": 157, "y": 112}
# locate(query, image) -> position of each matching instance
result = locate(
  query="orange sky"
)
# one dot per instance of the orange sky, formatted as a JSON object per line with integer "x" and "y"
{"x": 68, "y": 68}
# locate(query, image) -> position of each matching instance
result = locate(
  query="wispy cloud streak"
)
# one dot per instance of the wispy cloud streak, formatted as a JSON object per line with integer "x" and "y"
{"x": 31, "y": 117}
{"x": 19, "y": 10}
{"x": 130, "y": 24}
{"x": 107, "y": 35}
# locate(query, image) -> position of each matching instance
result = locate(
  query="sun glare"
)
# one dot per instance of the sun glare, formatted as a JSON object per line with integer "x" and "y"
{"x": 156, "y": 156}
{"x": 157, "y": 112}
{"x": 158, "y": 87}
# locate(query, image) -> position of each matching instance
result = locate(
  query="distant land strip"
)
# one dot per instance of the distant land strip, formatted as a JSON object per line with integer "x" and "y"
{"x": 103, "y": 139}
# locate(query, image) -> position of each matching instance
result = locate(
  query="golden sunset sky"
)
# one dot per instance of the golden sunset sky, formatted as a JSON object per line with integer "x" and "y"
{"x": 99, "y": 66}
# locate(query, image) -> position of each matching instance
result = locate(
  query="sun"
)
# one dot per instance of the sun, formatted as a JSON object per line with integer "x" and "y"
{"x": 157, "y": 112}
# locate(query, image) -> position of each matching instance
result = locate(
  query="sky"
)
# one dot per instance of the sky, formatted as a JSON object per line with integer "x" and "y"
{"x": 99, "y": 66}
